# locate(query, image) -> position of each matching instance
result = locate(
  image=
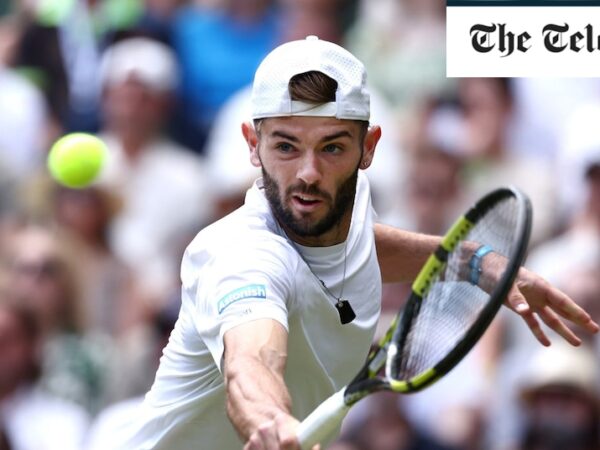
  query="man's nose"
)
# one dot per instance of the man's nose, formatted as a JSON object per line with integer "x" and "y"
{"x": 310, "y": 170}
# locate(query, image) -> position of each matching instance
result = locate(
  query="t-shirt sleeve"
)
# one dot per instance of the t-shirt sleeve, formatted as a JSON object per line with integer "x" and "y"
{"x": 242, "y": 286}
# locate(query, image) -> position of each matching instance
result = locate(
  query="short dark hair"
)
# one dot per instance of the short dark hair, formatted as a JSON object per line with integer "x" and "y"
{"x": 313, "y": 87}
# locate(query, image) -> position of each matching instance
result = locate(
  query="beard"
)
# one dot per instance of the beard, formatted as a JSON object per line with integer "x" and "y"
{"x": 304, "y": 226}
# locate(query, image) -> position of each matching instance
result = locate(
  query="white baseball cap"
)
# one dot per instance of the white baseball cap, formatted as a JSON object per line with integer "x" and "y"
{"x": 270, "y": 91}
{"x": 149, "y": 61}
{"x": 561, "y": 365}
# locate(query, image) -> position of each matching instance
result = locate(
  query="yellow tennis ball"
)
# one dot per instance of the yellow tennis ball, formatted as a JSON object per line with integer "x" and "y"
{"x": 75, "y": 160}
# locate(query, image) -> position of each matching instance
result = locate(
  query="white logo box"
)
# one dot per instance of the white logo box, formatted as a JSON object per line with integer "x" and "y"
{"x": 523, "y": 39}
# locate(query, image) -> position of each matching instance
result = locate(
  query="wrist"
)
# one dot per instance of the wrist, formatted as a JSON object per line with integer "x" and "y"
{"x": 475, "y": 263}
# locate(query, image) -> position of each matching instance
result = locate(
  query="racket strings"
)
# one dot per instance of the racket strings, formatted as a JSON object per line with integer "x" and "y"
{"x": 453, "y": 305}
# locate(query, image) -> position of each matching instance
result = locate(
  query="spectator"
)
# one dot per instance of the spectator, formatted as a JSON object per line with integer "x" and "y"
{"x": 579, "y": 151}
{"x": 569, "y": 261}
{"x": 577, "y": 248}
{"x": 32, "y": 419}
{"x": 157, "y": 18}
{"x": 109, "y": 421}
{"x": 433, "y": 189}
{"x": 560, "y": 401}
{"x": 541, "y": 105}
{"x": 324, "y": 18}
{"x": 402, "y": 43}
{"x": 219, "y": 49}
{"x": 487, "y": 105}
{"x": 40, "y": 275}
{"x": 60, "y": 51}
{"x": 386, "y": 427}
{"x": 163, "y": 186}
{"x": 22, "y": 128}
{"x": 110, "y": 302}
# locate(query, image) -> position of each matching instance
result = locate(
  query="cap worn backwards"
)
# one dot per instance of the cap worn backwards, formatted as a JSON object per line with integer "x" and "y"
{"x": 270, "y": 91}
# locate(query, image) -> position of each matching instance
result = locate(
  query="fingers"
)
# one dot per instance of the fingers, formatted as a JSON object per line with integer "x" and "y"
{"x": 567, "y": 308}
{"x": 287, "y": 432}
{"x": 536, "y": 329}
{"x": 277, "y": 434}
{"x": 533, "y": 296}
{"x": 551, "y": 319}
{"x": 264, "y": 438}
{"x": 517, "y": 302}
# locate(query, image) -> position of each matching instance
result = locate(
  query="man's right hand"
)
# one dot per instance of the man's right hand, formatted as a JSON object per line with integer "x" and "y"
{"x": 276, "y": 434}
{"x": 258, "y": 402}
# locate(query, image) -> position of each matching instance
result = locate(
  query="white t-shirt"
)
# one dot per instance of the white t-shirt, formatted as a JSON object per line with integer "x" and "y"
{"x": 243, "y": 268}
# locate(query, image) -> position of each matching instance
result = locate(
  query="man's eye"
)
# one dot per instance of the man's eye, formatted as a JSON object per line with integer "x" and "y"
{"x": 285, "y": 147}
{"x": 332, "y": 148}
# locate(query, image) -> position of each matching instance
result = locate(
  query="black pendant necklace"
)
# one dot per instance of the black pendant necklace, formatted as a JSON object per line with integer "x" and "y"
{"x": 344, "y": 308}
{"x": 345, "y": 311}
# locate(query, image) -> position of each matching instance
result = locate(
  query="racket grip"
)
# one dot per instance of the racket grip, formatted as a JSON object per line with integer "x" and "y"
{"x": 323, "y": 421}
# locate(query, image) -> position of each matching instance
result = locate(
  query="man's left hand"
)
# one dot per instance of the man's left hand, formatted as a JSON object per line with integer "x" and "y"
{"x": 533, "y": 298}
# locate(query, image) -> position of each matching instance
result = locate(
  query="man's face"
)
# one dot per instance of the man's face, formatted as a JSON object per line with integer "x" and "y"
{"x": 302, "y": 224}
{"x": 309, "y": 168}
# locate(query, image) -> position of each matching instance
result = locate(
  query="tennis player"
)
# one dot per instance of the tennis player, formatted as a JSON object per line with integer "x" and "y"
{"x": 281, "y": 298}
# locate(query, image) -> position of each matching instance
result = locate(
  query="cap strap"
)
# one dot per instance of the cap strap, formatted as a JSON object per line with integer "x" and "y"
{"x": 299, "y": 108}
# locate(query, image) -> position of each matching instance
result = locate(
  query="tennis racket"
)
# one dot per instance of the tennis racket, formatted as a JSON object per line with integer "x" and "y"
{"x": 453, "y": 300}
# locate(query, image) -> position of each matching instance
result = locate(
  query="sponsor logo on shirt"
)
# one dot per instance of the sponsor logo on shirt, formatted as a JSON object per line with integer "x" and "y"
{"x": 250, "y": 291}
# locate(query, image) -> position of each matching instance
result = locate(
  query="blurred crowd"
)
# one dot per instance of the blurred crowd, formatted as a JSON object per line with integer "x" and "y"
{"x": 89, "y": 284}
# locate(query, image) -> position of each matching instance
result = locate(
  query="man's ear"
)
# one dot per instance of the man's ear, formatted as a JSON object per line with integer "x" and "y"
{"x": 371, "y": 139}
{"x": 251, "y": 138}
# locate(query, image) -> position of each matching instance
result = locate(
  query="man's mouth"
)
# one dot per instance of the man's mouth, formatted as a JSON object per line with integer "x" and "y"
{"x": 306, "y": 199}
{"x": 306, "y": 202}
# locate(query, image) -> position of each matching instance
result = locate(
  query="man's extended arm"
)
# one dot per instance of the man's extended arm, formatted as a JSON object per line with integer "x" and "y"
{"x": 258, "y": 402}
{"x": 402, "y": 253}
